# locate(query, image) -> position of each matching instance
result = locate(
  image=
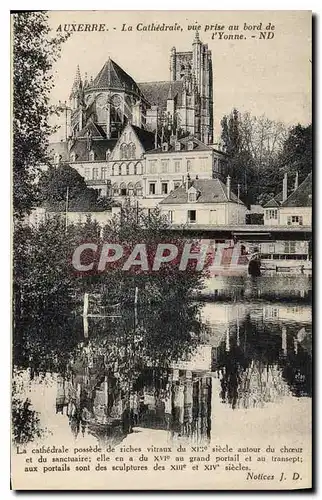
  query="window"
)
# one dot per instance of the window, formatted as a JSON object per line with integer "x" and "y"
{"x": 123, "y": 189}
{"x": 115, "y": 190}
{"x": 91, "y": 156}
{"x": 289, "y": 246}
{"x": 192, "y": 196}
{"x": 189, "y": 165}
{"x": 164, "y": 166}
{"x": 271, "y": 213}
{"x": 114, "y": 169}
{"x": 87, "y": 173}
{"x": 139, "y": 168}
{"x": 165, "y": 146}
{"x": 164, "y": 188}
{"x": 152, "y": 188}
{"x": 124, "y": 151}
{"x": 130, "y": 189}
{"x": 176, "y": 184}
{"x": 170, "y": 216}
{"x": 295, "y": 219}
{"x": 191, "y": 216}
{"x": 138, "y": 189}
{"x": 72, "y": 156}
{"x": 95, "y": 173}
{"x": 132, "y": 150}
{"x": 190, "y": 146}
{"x": 153, "y": 167}
{"x": 177, "y": 166}
{"x": 177, "y": 146}
{"x": 107, "y": 155}
{"x": 104, "y": 172}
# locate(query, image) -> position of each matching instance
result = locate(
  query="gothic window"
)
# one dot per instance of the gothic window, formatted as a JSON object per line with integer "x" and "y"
{"x": 107, "y": 155}
{"x": 101, "y": 108}
{"x": 114, "y": 169}
{"x": 130, "y": 189}
{"x": 131, "y": 168}
{"x": 139, "y": 168}
{"x": 124, "y": 151}
{"x": 115, "y": 189}
{"x": 165, "y": 146}
{"x": 124, "y": 169}
{"x": 91, "y": 156}
{"x": 138, "y": 189}
{"x": 123, "y": 189}
{"x": 132, "y": 150}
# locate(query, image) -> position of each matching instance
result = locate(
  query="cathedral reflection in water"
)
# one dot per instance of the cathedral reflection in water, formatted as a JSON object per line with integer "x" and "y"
{"x": 252, "y": 354}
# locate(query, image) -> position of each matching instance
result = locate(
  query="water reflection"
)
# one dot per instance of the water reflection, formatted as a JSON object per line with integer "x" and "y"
{"x": 158, "y": 367}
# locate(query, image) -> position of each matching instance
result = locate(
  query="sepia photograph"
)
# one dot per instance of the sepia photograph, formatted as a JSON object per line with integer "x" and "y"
{"x": 161, "y": 250}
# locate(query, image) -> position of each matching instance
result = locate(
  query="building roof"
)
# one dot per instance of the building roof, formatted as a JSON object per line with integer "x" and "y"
{"x": 157, "y": 93}
{"x": 60, "y": 148}
{"x": 146, "y": 138}
{"x": 93, "y": 129}
{"x": 275, "y": 202}
{"x": 209, "y": 191}
{"x": 112, "y": 75}
{"x": 197, "y": 146}
{"x": 98, "y": 146}
{"x": 302, "y": 196}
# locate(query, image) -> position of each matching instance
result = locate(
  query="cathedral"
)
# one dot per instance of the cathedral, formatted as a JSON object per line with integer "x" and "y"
{"x": 101, "y": 107}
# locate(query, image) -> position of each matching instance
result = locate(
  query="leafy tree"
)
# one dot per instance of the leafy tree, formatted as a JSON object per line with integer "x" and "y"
{"x": 34, "y": 53}
{"x": 296, "y": 155}
{"x": 53, "y": 186}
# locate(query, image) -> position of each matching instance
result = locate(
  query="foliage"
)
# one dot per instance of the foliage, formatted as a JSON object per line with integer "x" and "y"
{"x": 34, "y": 53}
{"x": 260, "y": 152}
{"x": 57, "y": 181}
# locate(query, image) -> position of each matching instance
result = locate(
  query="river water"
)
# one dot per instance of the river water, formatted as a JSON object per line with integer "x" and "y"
{"x": 236, "y": 363}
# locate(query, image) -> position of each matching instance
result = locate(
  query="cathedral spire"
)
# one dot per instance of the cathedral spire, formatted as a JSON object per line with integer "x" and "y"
{"x": 197, "y": 38}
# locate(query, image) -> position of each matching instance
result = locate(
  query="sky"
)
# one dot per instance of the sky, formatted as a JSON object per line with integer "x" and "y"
{"x": 271, "y": 77}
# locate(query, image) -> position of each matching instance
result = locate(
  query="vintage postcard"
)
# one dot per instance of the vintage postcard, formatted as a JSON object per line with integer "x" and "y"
{"x": 162, "y": 250}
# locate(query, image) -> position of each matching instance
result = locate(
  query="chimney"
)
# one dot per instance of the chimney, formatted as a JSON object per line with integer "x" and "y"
{"x": 285, "y": 187}
{"x": 228, "y": 187}
{"x": 296, "y": 182}
{"x": 188, "y": 183}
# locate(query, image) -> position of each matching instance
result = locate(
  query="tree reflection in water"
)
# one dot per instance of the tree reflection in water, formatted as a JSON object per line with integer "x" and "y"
{"x": 257, "y": 365}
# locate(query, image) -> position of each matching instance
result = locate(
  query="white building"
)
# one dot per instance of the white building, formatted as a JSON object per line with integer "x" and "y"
{"x": 204, "y": 201}
{"x": 292, "y": 210}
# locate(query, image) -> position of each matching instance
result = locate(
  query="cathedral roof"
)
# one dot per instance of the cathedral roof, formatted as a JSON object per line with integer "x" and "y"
{"x": 93, "y": 129}
{"x": 209, "y": 190}
{"x": 146, "y": 138}
{"x": 157, "y": 93}
{"x": 112, "y": 75}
